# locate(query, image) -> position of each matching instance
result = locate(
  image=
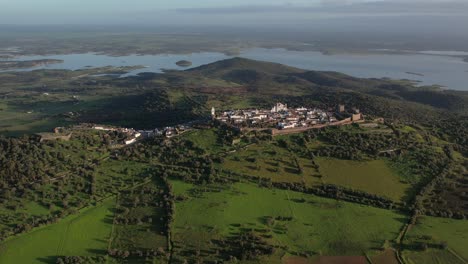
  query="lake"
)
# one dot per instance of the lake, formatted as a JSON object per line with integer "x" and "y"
{"x": 429, "y": 68}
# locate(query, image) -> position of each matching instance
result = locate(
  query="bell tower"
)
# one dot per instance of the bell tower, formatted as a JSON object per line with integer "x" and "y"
{"x": 213, "y": 112}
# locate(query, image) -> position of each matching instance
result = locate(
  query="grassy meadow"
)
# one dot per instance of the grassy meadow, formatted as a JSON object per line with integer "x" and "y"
{"x": 433, "y": 231}
{"x": 296, "y": 223}
{"x": 281, "y": 165}
{"x": 273, "y": 162}
{"x": 205, "y": 139}
{"x": 435, "y": 256}
{"x": 85, "y": 234}
{"x": 374, "y": 177}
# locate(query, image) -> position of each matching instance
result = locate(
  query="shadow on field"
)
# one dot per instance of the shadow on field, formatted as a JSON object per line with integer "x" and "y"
{"x": 113, "y": 210}
{"x": 401, "y": 220}
{"x": 108, "y": 220}
{"x": 101, "y": 240}
{"x": 48, "y": 260}
{"x": 297, "y": 200}
{"x": 98, "y": 252}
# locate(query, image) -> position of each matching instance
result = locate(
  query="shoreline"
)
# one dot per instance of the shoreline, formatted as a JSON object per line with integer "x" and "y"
{"x": 13, "y": 65}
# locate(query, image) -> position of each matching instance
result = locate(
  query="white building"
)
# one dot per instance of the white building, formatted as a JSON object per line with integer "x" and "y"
{"x": 130, "y": 141}
{"x": 260, "y": 117}
{"x": 279, "y": 107}
{"x": 103, "y": 128}
{"x": 301, "y": 109}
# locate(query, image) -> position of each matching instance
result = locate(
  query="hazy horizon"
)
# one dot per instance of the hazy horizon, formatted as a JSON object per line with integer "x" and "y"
{"x": 208, "y": 12}
{"x": 440, "y": 24}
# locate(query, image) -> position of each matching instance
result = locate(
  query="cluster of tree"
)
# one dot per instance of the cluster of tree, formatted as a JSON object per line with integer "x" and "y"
{"x": 122, "y": 220}
{"x": 157, "y": 196}
{"x": 283, "y": 218}
{"x": 169, "y": 200}
{"x": 81, "y": 259}
{"x": 436, "y": 198}
{"x": 324, "y": 190}
{"x": 342, "y": 193}
{"x": 257, "y": 136}
{"x": 124, "y": 254}
{"x": 57, "y": 175}
{"x": 196, "y": 176}
{"x": 31, "y": 223}
{"x": 24, "y": 161}
{"x": 175, "y": 152}
{"x": 452, "y": 128}
{"x": 425, "y": 245}
{"x": 351, "y": 145}
{"x": 340, "y": 152}
{"x": 446, "y": 213}
{"x": 226, "y": 133}
{"x": 100, "y": 139}
{"x": 244, "y": 246}
{"x": 439, "y": 169}
{"x": 423, "y": 161}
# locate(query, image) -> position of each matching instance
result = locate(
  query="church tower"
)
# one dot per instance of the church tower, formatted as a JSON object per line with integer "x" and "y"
{"x": 213, "y": 112}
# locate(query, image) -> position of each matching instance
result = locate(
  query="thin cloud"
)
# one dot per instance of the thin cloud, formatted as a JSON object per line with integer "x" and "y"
{"x": 340, "y": 6}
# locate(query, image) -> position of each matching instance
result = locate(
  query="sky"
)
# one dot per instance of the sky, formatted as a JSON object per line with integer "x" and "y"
{"x": 213, "y": 11}
{"x": 121, "y": 5}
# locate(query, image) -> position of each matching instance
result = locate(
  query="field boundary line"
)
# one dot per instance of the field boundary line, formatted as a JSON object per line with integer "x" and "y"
{"x": 400, "y": 258}
{"x": 290, "y": 206}
{"x": 64, "y": 236}
{"x": 117, "y": 197}
{"x": 109, "y": 244}
{"x": 453, "y": 252}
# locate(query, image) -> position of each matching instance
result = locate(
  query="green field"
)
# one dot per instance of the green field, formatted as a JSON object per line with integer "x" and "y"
{"x": 374, "y": 177}
{"x": 317, "y": 225}
{"x": 273, "y": 162}
{"x": 205, "y": 139}
{"x": 432, "y": 231}
{"x": 117, "y": 175}
{"x": 432, "y": 257}
{"x": 85, "y": 234}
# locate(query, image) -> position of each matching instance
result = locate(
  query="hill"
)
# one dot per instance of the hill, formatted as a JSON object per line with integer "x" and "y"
{"x": 257, "y": 73}
{"x": 152, "y": 100}
{"x": 220, "y": 68}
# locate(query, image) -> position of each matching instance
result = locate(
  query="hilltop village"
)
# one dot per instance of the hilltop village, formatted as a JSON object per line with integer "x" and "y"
{"x": 281, "y": 117}
{"x": 127, "y": 136}
{"x": 278, "y": 120}
{"x": 133, "y": 135}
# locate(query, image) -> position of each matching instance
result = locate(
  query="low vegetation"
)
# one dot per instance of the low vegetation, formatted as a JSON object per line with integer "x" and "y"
{"x": 290, "y": 222}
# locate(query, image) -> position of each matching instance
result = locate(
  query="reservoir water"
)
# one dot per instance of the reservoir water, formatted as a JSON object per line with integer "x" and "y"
{"x": 429, "y": 68}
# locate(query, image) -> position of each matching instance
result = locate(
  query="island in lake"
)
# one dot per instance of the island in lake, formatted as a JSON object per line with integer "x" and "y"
{"x": 184, "y": 63}
{"x": 12, "y": 65}
{"x": 415, "y": 73}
